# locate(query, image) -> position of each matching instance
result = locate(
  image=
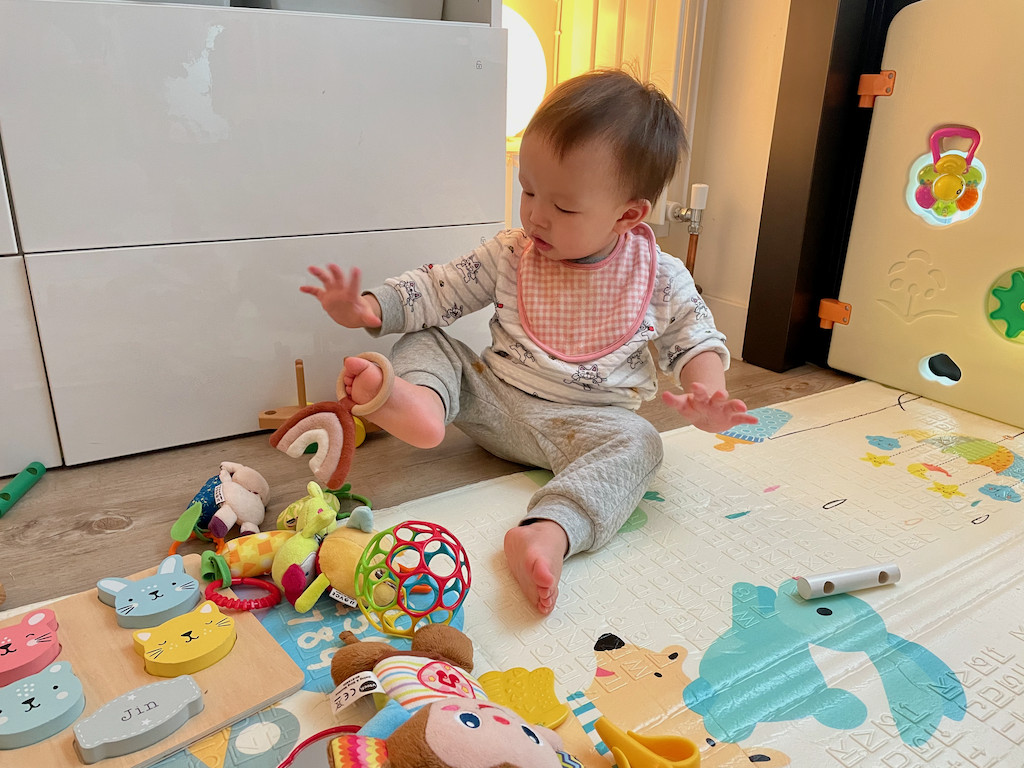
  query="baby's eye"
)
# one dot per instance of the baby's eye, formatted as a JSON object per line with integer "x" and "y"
{"x": 563, "y": 210}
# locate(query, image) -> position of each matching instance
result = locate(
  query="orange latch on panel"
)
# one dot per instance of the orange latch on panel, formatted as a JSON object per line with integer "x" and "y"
{"x": 831, "y": 311}
{"x": 875, "y": 85}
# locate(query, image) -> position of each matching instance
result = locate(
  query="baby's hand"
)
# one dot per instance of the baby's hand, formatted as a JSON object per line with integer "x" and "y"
{"x": 709, "y": 412}
{"x": 341, "y": 299}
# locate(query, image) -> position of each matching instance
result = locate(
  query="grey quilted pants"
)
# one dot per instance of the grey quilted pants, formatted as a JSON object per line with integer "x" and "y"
{"x": 603, "y": 457}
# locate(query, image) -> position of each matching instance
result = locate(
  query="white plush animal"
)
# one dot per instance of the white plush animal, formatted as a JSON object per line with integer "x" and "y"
{"x": 244, "y": 494}
{"x": 236, "y": 494}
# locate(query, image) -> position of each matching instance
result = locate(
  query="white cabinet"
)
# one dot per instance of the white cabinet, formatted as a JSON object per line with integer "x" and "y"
{"x": 26, "y": 418}
{"x": 174, "y": 169}
{"x": 135, "y": 124}
{"x": 158, "y": 346}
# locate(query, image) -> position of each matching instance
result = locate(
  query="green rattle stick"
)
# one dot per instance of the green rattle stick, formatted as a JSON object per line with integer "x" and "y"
{"x": 17, "y": 488}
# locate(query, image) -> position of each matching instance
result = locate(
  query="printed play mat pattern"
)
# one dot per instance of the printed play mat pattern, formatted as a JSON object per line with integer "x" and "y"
{"x": 689, "y": 621}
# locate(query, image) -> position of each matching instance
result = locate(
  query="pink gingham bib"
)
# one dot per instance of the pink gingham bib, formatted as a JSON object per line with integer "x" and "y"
{"x": 580, "y": 312}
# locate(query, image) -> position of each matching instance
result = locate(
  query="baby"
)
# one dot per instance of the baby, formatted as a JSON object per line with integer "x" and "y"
{"x": 578, "y": 293}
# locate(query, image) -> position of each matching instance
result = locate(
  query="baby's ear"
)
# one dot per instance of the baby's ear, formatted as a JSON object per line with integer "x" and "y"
{"x": 633, "y": 214}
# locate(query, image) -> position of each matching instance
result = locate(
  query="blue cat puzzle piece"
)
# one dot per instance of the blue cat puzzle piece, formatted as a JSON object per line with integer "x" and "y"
{"x": 40, "y": 706}
{"x": 151, "y": 600}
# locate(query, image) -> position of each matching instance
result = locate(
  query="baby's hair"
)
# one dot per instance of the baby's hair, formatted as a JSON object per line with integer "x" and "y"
{"x": 641, "y": 125}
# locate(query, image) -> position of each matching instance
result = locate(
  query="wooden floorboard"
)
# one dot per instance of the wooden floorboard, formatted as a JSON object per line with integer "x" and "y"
{"x": 113, "y": 518}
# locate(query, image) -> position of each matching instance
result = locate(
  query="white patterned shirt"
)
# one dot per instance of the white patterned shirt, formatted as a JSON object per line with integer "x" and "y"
{"x": 677, "y": 322}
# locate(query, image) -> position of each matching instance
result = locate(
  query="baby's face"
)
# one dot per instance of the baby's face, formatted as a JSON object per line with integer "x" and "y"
{"x": 572, "y": 207}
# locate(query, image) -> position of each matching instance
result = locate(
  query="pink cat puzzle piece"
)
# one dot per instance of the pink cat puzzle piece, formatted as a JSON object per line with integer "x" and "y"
{"x": 29, "y": 646}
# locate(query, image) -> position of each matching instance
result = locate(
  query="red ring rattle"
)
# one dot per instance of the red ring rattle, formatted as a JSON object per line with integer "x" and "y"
{"x": 236, "y": 604}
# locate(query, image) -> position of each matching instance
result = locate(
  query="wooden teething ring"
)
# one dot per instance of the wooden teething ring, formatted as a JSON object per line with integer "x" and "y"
{"x": 386, "y": 387}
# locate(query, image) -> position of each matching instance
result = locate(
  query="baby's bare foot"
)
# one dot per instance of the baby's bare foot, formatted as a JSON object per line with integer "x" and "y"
{"x": 362, "y": 379}
{"x": 534, "y": 553}
{"x": 413, "y": 414}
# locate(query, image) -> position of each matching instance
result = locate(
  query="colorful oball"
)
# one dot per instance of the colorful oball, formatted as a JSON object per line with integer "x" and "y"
{"x": 411, "y": 574}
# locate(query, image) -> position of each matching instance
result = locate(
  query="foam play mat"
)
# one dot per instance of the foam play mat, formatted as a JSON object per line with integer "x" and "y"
{"x": 690, "y": 622}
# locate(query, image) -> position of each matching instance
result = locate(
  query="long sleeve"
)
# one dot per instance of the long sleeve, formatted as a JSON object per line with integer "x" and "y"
{"x": 436, "y": 295}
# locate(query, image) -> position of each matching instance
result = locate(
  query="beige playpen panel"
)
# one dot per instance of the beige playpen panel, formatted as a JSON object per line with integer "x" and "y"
{"x": 922, "y": 289}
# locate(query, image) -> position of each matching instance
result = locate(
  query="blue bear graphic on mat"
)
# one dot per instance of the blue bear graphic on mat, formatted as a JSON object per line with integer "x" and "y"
{"x": 761, "y": 669}
{"x": 39, "y": 706}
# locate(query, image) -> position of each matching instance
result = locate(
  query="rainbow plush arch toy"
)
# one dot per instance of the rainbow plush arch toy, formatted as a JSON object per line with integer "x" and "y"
{"x": 330, "y": 425}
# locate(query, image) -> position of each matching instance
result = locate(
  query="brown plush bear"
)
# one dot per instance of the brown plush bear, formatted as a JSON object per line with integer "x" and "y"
{"x": 437, "y": 642}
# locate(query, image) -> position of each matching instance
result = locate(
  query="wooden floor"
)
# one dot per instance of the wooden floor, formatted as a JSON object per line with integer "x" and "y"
{"x": 113, "y": 518}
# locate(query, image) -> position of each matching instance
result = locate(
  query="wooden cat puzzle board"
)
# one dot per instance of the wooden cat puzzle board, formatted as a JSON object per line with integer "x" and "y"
{"x": 255, "y": 674}
{"x": 948, "y": 285}
{"x": 924, "y": 673}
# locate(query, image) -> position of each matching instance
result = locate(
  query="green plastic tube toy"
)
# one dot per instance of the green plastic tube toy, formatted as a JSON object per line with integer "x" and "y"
{"x": 19, "y": 485}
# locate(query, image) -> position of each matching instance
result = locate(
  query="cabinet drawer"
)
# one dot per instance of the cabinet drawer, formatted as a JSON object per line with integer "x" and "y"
{"x": 131, "y": 124}
{"x": 8, "y": 246}
{"x": 26, "y": 419}
{"x": 158, "y": 346}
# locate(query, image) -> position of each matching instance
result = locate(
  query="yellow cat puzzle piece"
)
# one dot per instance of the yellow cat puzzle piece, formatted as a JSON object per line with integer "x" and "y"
{"x": 530, "y": 694}
{"x": 187, "y": 643}
{"x": 633, "y": 749}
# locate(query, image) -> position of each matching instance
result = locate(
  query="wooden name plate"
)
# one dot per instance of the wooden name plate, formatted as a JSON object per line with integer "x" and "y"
{"x": 137, "y": 719}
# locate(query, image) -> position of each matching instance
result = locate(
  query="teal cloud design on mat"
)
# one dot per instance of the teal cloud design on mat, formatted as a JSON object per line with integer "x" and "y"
{"x": 761, "y": 669}
{"x": 769, "y": 421}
